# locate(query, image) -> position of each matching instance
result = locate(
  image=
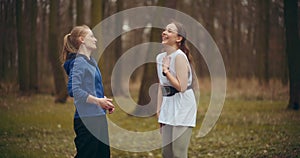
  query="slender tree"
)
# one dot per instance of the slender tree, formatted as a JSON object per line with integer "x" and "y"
{"x": 118, "y": 50}
{"x": 108, "y": 58}
{"x": 2, "y": 43}
{"x": 80, "y": 12}
{"x": 58, "y": 74}
{"x": 96, "y": 12}
{"x": 23, "y": 70}
{"x": 33, "y": 68}
{"x": 150, "y": 74}
{"x": 8, "y": 46}
{"x": 293, "y": 51}
{"x": 262, "y": 40}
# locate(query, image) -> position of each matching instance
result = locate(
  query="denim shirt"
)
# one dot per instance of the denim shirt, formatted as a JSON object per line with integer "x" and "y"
{"x": 86, "y": 80}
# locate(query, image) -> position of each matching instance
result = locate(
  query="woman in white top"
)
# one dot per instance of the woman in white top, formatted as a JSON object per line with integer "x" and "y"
{"x": 176, "y": 108}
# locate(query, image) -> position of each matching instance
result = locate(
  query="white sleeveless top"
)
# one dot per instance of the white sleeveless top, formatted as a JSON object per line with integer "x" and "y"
{"x": 179, "y": 109}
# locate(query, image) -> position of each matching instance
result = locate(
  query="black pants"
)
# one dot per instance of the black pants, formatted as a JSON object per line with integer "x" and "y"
{"x": 91, "y": 139}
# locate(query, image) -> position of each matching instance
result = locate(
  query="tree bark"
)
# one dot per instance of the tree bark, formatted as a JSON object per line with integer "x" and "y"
{"x": 80, "y": 12}
{"x": 8, "y": 47}
{"x": 118, "y": 51}
{"x": 262, "y": 40}
{"x": 150, "y": 74}
{"x": 33, "y": 66}
{"x": 2, "y": 27}
{"x": 58, "y": 74}
{"x": 23, "y": 73}
{"x": 108, "y": 59}
{"x": 293, "y": 51}
{"x": 96, "y": 12}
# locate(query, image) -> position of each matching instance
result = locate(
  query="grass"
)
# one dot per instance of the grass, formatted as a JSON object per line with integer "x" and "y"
{"x": 249, "y": 126}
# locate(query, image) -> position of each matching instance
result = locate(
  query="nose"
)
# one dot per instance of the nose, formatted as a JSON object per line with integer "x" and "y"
{"x": 163, "y": 33}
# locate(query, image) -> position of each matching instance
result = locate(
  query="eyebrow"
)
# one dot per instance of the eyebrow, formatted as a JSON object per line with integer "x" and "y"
{"x": 171, "y": 29}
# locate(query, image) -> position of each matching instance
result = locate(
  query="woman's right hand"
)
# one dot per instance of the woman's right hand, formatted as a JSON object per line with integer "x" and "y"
{"x": 105, "y": 103}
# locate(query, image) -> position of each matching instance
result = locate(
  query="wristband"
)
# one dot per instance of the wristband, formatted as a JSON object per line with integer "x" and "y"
{"x": 164, "y": 74}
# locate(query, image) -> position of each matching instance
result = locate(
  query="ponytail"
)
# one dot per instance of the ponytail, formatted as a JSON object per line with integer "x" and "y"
{"x": 182, "y": 44}
{"x": 186, "y": 51}
{"x": 71, "y": 41}
{"x": 66, "y": 48}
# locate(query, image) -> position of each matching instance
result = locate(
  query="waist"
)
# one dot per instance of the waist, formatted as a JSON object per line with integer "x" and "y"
{"x": 170, "y": 91}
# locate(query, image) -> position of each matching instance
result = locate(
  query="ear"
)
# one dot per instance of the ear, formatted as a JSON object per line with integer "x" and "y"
{"x": 179, "y": 39}
{"x": 81, "y": 39}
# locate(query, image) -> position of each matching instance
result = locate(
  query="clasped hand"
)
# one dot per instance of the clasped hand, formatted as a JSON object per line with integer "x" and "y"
{"x": 105, "y": 103}
{"x": 166, "y": 63}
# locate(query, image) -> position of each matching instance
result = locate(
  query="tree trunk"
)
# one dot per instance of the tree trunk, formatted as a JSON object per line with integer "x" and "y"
{"x": 3, "y": 28}
{"x": 235, "y": 36}
{"x": 118, "y": 52}
{"x": 58, "y": 74}
{"x": 33, "y": 66}
{"x": 23, "y": 73}
{"x": 96, "y": 12}
{"x": 262, "y": 40}
{"x": 108, "y": 59}
{"x": 292, "y": 50}
{"x": 8, "y": 47}
{"x": 150, "y": 74}
{"x": 80, "y": 12}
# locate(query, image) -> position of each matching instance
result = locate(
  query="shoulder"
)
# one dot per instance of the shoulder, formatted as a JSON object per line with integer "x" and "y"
{"x": 68, "y": 65}
{"x": 79, "y": 62}
{"x": 180, "y": 54}
{"x": 180, "y": 57}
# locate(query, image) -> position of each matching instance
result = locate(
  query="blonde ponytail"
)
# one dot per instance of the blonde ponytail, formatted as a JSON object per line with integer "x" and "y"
{"x": 72, "y": 42}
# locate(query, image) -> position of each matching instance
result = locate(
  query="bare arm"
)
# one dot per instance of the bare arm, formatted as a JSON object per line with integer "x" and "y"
{"x": 159, "y": 100}
{"x": 181, "y": 79}
{"x": 181, "y": 66}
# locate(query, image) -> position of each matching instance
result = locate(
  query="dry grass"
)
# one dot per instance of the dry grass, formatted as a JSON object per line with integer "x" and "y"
{"x": 254, "y": 123}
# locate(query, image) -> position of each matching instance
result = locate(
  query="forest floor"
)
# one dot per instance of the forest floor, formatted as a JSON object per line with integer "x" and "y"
{"x": 248, "y": 127}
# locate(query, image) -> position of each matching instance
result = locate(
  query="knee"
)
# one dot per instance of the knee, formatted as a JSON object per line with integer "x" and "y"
{"x": 180, "y": 151}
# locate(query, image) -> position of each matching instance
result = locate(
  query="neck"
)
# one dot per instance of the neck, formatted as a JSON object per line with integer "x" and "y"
{"x": 170, "y": 49}
{"x": 83, "y": 50}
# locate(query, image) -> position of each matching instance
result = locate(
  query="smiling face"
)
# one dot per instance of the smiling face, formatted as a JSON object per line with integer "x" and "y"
{"x": 90, "y": 40}
{"x": 170, "y": 36}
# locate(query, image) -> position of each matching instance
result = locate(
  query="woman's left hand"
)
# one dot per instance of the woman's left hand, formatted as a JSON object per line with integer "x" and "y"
{"x": 111, "y": 110}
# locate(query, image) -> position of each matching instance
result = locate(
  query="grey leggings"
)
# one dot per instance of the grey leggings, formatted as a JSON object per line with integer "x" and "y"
{"x": 175, "y": 141}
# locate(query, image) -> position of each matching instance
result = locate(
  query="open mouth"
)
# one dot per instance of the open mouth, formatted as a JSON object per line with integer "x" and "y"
{"x": 164, "y": 38}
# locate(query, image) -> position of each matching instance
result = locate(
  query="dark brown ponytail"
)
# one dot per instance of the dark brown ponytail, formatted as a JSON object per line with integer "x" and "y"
{"x": 182, "y": 45}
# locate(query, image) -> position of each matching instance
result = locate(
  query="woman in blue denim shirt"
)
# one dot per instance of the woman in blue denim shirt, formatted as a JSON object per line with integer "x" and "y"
{"x": 85, "y": 85}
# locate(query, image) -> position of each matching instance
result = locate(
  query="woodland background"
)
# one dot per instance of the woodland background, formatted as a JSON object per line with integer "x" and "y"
{"x": 258, "y": 40}
{"x": 251, "y": 36}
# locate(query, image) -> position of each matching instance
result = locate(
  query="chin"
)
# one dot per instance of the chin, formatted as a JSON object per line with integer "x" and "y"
{"x": 164, "y": 43}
